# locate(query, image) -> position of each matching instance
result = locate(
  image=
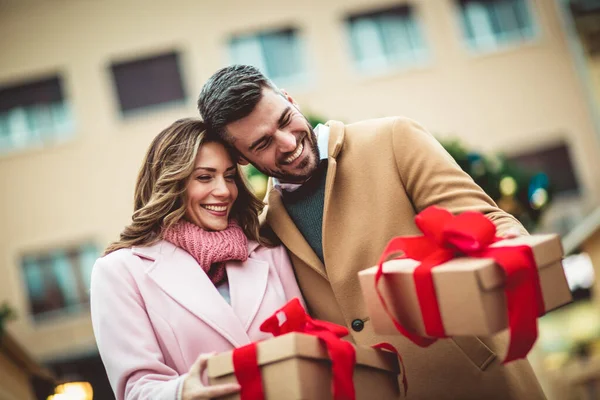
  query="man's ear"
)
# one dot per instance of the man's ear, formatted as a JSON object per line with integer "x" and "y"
{"x": 289, "y": 98}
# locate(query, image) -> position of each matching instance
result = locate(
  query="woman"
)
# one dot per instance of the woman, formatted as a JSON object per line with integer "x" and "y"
{"x": 189, "y": 276}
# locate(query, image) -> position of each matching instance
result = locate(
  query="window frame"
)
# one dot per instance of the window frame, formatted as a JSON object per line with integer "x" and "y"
{"x": 76, "y": 270}
{"x": 143, "y": 110}
{"x": 421, "y": 55}
{"x": 301, "y": 77}
{"x": 42, "y": 123}
{"x": 499, "y": 45}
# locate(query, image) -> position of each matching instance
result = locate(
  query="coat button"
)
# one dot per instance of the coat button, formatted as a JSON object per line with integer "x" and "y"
{"x": 357, "y": 325}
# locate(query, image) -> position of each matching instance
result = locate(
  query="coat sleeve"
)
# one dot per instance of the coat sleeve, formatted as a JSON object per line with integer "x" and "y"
{"x": 432, "y": 177}
{"x": 125, "y": 337}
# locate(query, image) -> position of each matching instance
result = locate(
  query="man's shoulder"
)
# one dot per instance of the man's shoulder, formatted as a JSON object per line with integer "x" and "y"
{"x": 366, "y": 131}
{"x": 377, "y": 124}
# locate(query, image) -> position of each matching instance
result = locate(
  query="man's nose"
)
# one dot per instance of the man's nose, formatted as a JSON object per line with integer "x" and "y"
{"x": 286, "y": 141}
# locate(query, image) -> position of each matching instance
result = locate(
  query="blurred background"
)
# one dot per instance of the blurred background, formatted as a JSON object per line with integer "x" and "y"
{"x": 510, "y": 87}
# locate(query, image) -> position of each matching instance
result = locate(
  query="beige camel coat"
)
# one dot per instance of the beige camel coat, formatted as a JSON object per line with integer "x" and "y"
{"x": 381, "y": 173}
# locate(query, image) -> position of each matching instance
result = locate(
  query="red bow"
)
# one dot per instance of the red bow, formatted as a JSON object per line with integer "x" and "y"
{"x": 469, "y": 234}
{"x": 293, "y": 318}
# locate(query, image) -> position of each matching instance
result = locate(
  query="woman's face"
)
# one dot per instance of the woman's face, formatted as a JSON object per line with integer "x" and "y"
{"x": 211, "y": 189}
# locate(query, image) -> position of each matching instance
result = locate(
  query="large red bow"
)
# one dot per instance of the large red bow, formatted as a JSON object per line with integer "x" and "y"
{"x": 293, "y": 318}
{"x": 469, "y": 234}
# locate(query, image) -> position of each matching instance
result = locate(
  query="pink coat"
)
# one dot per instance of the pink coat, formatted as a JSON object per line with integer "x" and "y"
{"x": 154, "y": 310}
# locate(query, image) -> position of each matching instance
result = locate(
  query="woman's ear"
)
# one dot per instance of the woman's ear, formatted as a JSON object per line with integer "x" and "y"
{"x": 242, "y": 161}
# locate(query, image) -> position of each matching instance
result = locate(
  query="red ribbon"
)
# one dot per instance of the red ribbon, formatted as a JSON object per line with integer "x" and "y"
{"x": 469, "y": 234}
{"x": 293, "y": 318}
{"x": 246, "y": 369}
{"x": 389, "y": 347}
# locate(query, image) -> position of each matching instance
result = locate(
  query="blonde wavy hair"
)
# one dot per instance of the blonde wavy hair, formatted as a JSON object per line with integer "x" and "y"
{"x": 160, "y": 189}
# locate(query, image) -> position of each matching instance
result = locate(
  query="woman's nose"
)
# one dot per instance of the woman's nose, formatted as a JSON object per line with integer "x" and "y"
{"x": 221, "y": 189}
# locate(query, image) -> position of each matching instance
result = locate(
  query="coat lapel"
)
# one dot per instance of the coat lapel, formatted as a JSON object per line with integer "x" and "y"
{"x": 336, "y": 142}
{"x": 280, "y": 221}
{"x": 179, "y": 275}
{"x": 247, "y": 286}
{"x": 285, "y": 229}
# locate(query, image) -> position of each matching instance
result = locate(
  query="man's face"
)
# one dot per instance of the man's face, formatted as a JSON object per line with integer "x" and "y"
{"x": 277, "y": 139}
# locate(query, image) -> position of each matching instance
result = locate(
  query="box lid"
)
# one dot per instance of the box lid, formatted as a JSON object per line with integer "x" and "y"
{"x": 546, "y": 248}
{"x": 301, "y": 345}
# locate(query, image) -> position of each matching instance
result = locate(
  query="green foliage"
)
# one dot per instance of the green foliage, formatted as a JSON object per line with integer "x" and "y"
{"x": 315, "y": 120}
{"x": 523, "y": 193}
{"x": 6, "y": 314}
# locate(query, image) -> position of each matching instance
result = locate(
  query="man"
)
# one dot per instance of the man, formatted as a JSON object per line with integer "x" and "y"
{"x": 339, "y": 195}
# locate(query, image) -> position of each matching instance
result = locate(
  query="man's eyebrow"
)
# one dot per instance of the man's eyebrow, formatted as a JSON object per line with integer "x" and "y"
{"x": 280, "y": 122}
{"x": 284, "y": 115}
{"x": 257, "y": 142}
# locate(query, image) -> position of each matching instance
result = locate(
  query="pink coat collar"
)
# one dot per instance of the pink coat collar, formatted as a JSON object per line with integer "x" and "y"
{"x": 178, "y": 275}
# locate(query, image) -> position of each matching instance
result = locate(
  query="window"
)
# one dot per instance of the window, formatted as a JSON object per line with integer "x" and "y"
{"x": 58, "y": 280}
{"x": 586, "y": 16}
{"x": 77, "y": 367}
{"x": 148, "y": 82}
{"x": 579, "y": 271}
{"x": 490, "y": 24}
{"x": 33, "y": 114}
{"x": 555, "y": 161}
{"x": 386, "y": 38}
{"x": 278, "y": 54}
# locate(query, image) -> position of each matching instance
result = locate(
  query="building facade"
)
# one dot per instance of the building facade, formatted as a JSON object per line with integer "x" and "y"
{"x": 85, "y": 86}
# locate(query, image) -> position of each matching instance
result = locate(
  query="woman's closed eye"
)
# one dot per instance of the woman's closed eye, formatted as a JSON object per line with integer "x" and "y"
{"x": 204, "y": 178}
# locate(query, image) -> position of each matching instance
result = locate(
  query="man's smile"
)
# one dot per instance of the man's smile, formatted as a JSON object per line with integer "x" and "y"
{"x": 295, "y": 155}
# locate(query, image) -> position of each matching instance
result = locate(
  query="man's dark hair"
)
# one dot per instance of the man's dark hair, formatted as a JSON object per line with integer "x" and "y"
{"x": 230, "y": 95}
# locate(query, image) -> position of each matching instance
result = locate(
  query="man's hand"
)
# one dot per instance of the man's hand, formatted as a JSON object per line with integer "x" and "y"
{"x": 193, "y": 389}
{"x": 512, "y": 233}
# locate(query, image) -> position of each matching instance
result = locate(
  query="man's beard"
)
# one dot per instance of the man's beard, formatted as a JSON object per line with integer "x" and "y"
{"x": 288, "y": 177}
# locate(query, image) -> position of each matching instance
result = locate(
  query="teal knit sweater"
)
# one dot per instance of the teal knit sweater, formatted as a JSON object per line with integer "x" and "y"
{"x": 305, "y": 207}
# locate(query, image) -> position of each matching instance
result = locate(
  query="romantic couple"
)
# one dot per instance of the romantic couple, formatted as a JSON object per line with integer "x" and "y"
{"x": 203, "y": 264}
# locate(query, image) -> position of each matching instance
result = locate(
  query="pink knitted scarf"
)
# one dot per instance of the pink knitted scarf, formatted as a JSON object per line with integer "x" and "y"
{"x": 210, "y": 248}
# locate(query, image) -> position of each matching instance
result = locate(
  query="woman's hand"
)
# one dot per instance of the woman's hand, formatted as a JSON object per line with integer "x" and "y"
{"x": 193, "y": 389}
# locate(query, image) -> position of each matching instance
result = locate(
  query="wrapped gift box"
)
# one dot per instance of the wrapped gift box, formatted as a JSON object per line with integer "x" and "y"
{"x": 470, "y": 291}
{"x": 296, "y": 366}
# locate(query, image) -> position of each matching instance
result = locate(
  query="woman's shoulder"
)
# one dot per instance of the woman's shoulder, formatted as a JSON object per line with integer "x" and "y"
{"x": 114, "y": 264}
{"x": 130, "y": 256}
{"x": 145, "y": 251}
{"x": 126, "y": 264}
{"x": 117, "y": 256}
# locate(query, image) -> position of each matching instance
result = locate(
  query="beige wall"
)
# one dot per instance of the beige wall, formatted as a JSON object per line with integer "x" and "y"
{"x": 517, "y": 98}
{"x": 592, "y": 247}
{"x": 594, "y": 71}
{"x": 14, "y": 381}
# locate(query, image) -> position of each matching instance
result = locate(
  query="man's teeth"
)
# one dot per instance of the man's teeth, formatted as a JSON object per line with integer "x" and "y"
{"x": 215, "y": 208}
{"x": 296, "y": 154}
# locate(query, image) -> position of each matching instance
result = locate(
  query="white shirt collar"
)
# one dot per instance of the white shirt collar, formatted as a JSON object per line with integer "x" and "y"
{"x": 322, "y": 132}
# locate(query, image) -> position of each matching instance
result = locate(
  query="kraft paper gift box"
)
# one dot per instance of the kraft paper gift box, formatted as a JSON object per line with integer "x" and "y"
{"x": 297, "y": 366}
{"x": 470, "y": 291}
